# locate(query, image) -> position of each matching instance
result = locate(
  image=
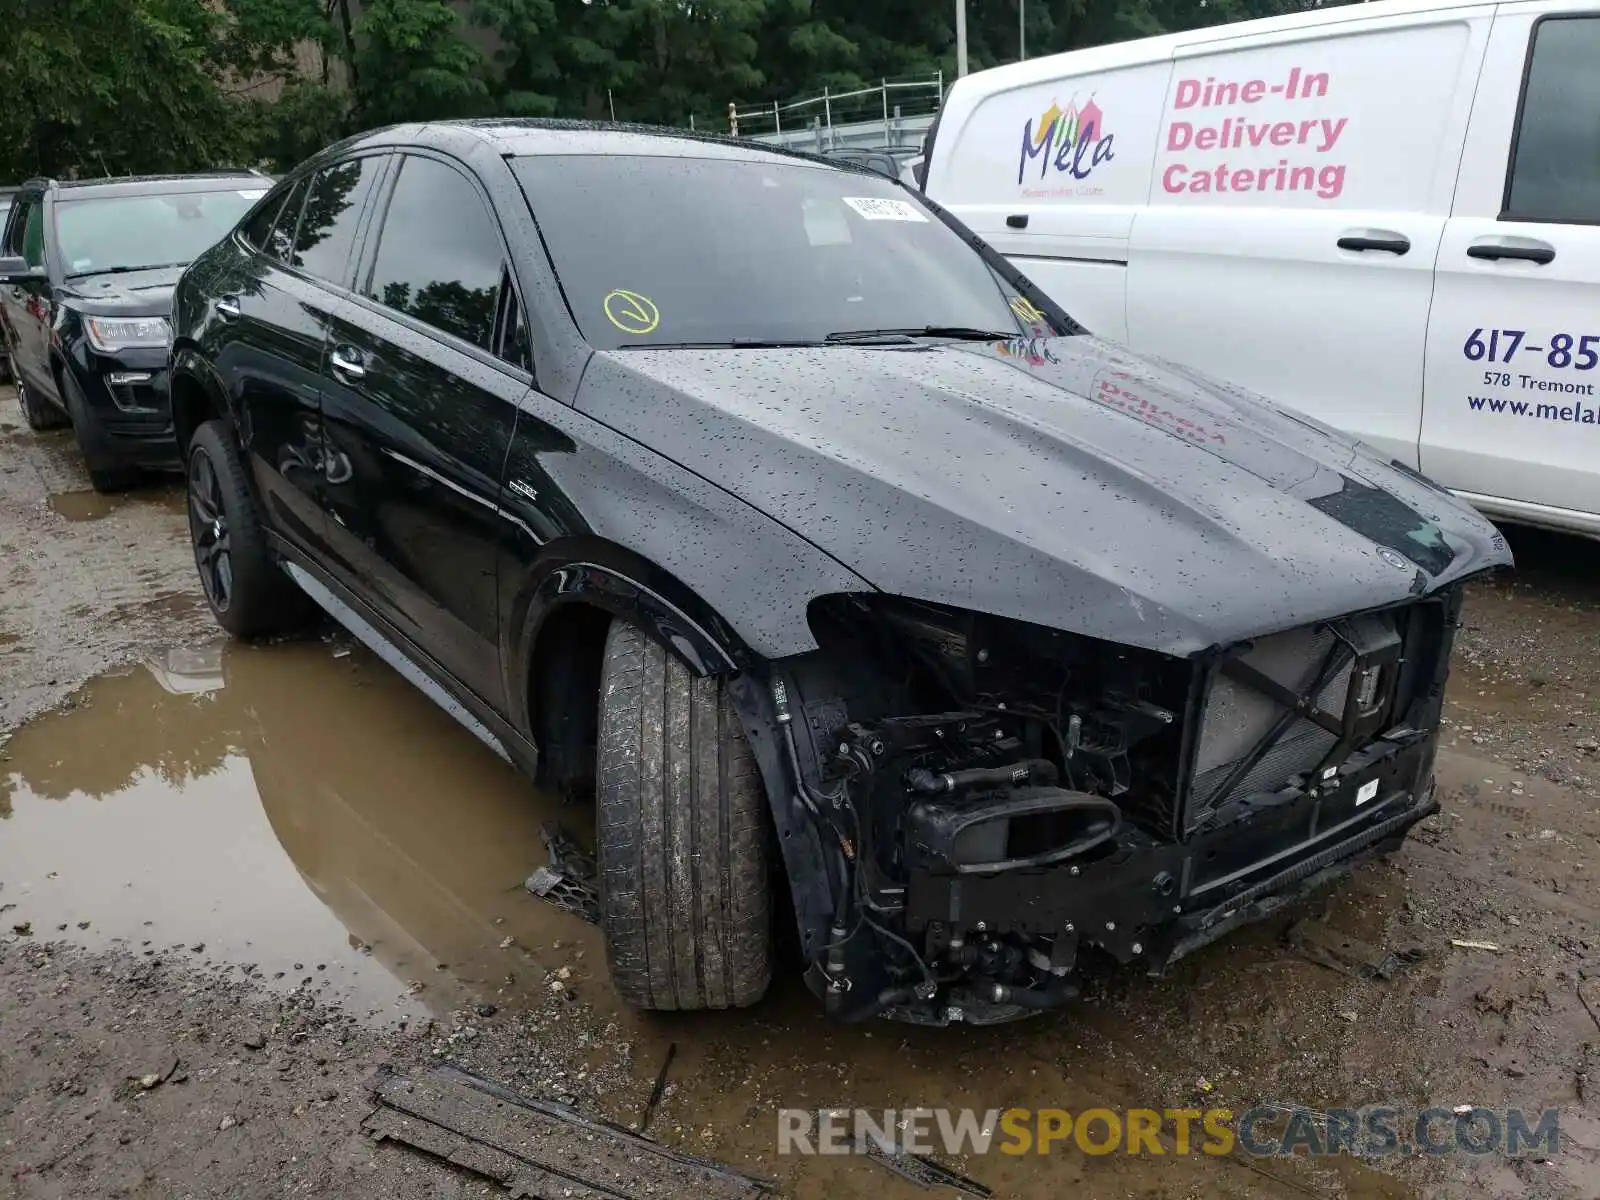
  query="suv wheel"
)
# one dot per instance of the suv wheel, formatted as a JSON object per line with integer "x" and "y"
{"x": 681, "y": 835}
{"x": 105, "y": 473}
{"x": 248, "y": 594}
{"x": 35, "y": 412}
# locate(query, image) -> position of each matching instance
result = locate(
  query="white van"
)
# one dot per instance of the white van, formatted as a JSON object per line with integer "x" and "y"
{"x": 1386, "y": 215}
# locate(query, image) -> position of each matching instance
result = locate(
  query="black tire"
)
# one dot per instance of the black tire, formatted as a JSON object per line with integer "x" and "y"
{"x": 38, "y": 414}
{"x": 106, "y": 474}
{"x": 681, "y": 815}
{"x": 248, "y": 593}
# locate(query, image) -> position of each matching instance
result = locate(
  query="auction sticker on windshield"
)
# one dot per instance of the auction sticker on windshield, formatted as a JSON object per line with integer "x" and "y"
{"x": 876, "y": 208}
{"x": 631, "y": 312}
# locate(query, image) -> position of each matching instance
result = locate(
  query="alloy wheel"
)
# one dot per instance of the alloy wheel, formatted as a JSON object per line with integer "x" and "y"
{"x": 208, "y": 529}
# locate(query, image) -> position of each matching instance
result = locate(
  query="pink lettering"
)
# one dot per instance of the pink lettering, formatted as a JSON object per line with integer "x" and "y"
{"x": 1206, "y": 139}
{"x": 1253, "y": 91}
{"x": 1179, "y": 135}
{"x": 1172, "y": 178}
{"x": 1188, "y": 93}
{"x": 1283, "y": 133}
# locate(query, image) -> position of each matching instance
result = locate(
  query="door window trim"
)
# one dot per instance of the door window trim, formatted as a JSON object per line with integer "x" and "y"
{"x": 309, "y": 178}
{"x": 1506, "y": 214}
{"x": 372, "y": 239}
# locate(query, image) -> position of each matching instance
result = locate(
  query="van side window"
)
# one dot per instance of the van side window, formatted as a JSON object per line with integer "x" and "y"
{"x": 1555, "y": 170}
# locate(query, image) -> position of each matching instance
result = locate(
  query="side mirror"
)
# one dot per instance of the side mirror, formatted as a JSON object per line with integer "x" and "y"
{"x": 14, "y": 269}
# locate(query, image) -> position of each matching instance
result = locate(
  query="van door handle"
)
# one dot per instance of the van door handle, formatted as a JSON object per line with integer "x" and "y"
{"x": 1374, "y": 239}
{"x": 347, "y": 365}
{"x": 1017, "y": 221}
{"x": 1521, "y": 248}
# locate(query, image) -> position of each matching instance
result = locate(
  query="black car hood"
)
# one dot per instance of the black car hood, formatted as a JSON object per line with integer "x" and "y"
{"x": 146, "y": 293}
{"x": 1063, "y": 482}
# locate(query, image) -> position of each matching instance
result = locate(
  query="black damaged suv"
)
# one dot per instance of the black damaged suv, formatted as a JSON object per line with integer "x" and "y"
{"x": 753, "y": 495}
{"x": 86, "y": 275}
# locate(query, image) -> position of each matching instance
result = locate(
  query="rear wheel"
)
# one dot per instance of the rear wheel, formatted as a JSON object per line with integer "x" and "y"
{"x": 682, "y": 815}
{"x": 35, "y": 411}
{"x": 248, "y": 593}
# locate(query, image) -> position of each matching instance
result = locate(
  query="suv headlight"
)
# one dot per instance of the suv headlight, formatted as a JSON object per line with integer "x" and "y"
{"x": 108, "y": 334}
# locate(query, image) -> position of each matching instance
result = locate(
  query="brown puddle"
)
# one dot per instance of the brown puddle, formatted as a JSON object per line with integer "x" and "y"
{"x": 306, "y": 811}
{"x": 88, "y": 505}
{"x": 287, "y": 809}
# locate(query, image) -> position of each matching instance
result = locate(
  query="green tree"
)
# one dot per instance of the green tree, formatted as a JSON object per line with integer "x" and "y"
{"x": 412, "y": 63}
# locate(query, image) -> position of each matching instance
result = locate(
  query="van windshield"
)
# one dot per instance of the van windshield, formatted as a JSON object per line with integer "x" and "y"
{"x": 109, "y": 233}
{"x": 662, "y": 251}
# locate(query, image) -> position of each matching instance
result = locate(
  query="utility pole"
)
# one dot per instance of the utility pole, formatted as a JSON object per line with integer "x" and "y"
{"x": 1022, "y": 30}
{"x": 961, "y": 37}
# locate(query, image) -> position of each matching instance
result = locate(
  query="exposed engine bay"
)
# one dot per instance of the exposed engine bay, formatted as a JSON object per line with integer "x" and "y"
{"x": 992, "y": 802}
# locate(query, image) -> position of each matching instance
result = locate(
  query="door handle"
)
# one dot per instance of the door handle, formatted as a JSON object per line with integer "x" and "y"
{"x": 1523, "y": 249}
{"x": 1374, "y": 239}
{"x": 227, "y": 307}
{"x": 346, "y": 364}
{"x": 1017, "y": 221}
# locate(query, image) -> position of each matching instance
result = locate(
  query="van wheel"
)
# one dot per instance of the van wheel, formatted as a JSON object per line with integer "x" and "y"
{"x": 38, "y": 414}
{"x": 247, "y": 592}
{"x": 681, "y": 815}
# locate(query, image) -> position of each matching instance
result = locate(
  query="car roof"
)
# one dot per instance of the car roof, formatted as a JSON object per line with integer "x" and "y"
{"x": 516, "y": 137}
{"x": 137, "y": 185}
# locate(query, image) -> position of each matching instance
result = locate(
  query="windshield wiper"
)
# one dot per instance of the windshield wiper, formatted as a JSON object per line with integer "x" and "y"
{"x": 121, "y": 270}
{"x": 963, "y": 333}
{"x": 727, "y": 344}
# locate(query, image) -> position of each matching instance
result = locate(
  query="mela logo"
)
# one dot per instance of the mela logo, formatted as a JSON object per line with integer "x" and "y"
{"x": 1072, "y": 140}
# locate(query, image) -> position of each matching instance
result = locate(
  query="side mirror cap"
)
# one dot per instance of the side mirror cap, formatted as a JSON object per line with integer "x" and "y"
{"x": 14, "y": 269}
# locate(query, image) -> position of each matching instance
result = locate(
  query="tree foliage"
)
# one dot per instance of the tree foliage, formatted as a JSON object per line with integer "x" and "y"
{"x": 119, "y": 86}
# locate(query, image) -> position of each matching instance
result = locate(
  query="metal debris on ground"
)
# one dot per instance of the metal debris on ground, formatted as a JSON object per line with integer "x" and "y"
{"x": 1463, "y": 945}
{"x": 660, "y": 1088}
{"x": 919, "y": 1168}
{"x": 569, "y": 880}
{"x": 1314, "y": 941}
{"x": 537, "y": 1148}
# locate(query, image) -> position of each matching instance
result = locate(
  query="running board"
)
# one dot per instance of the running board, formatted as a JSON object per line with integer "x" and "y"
{"x": 391, "y": 654}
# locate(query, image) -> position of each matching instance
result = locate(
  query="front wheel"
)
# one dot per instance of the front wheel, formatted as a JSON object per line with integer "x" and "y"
{"x": 36, "y": 412}
{"x": 247, "y": 592}
{"x": 685, "y": 906}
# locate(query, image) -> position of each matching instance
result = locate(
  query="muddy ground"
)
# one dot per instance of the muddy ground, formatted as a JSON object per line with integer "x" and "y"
{"x": 255, "y": 873}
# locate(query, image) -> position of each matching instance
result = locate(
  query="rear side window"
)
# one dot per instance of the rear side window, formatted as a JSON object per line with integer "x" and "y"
{"x": 33, "y": 235}
{"x": 17, "y": 227}
{"x": 1555, "y": 174}
{"x": 439, "y": 257}
{"x": 258, "y": 228}
{"x": 327, "y": 230}
{"x": 279, "y": 243}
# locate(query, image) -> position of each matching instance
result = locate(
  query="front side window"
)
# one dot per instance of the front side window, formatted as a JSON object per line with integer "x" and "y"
{"x": 656, "y": 251}
{"x": 16, "y": 232}
{"x": 1555, "y": 172}
{"x": 439, "y": 257}
{"x": 327, "y": 230}
{"x": 152, "y": 229}
{"x": 33, "y": 236}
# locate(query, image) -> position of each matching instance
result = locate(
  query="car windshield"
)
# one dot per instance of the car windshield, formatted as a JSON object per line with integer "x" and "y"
{"x": 661, "y": 251}
{"x": 108, "y": 233}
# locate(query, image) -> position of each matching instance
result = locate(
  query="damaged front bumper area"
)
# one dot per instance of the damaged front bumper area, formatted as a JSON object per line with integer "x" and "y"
{"x": 1020, "y": 800}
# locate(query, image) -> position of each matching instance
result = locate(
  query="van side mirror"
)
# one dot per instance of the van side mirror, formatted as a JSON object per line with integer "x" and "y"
{"x": 15, "y": 269}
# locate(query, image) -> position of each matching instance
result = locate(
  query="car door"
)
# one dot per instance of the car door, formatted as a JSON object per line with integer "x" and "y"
{"x": 1300, "y": 187}
{"x": 270, "y": 336}
{"x": 1511, "y": 413}
{"x": 27, "y": 301}
{"x": 418, "y": 413}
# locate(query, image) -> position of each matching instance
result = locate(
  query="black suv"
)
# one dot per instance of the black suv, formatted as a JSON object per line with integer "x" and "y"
{"x": 753, "y": 495}
{"x": 86, "y": 275}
